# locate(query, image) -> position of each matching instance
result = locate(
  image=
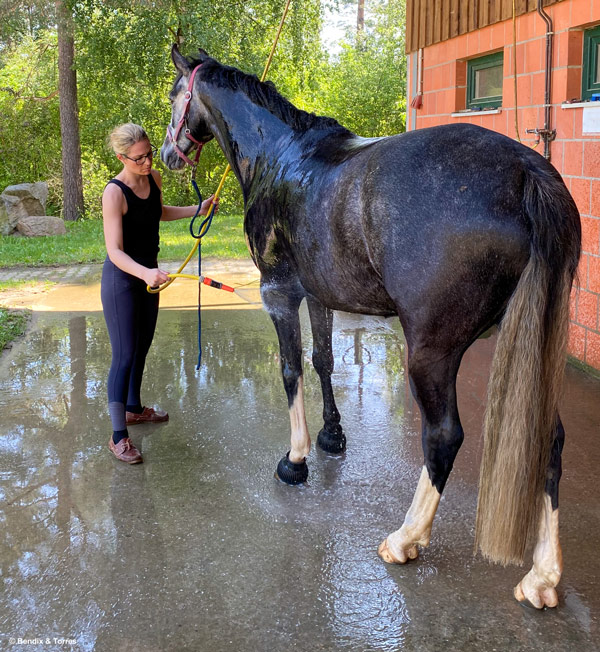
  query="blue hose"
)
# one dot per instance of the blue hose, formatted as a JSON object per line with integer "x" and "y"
{"x": 202, "y": 231}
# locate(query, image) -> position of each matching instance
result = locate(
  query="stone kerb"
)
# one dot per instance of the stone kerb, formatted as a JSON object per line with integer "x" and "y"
{"x": 23, "y": 211}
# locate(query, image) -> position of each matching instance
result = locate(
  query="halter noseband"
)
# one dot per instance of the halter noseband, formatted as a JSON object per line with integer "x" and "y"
{"x": 174, "y": 135}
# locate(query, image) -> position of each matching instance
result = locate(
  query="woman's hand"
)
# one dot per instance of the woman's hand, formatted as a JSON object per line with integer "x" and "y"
{"x": 206, "y": 205}
{"x": 155, "y": 277}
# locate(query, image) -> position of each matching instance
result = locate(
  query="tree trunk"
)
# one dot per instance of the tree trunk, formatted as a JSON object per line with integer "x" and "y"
{"x": 360, "y": 16}
{"x": 69, "y": 115}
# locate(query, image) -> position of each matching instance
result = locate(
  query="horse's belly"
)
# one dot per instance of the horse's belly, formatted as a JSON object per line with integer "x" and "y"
{"x": 358, "y": 293}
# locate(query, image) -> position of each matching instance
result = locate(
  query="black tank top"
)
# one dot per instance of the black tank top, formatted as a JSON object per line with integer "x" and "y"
{"x": 141, "y": 223}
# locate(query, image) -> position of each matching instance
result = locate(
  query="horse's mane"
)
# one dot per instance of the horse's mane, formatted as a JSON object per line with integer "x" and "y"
{"x": 266, "y": 95}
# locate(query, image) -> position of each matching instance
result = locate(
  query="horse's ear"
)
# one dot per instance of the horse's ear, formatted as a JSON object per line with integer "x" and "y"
{"x": 202, "y": 55}
{"x": 181, "y": 63}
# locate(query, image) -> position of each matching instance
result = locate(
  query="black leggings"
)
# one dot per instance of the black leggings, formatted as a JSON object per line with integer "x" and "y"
{"x": 130, "y": 313}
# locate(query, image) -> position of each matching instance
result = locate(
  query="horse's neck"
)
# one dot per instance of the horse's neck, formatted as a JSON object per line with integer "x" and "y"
{"x": 251, "y": 138}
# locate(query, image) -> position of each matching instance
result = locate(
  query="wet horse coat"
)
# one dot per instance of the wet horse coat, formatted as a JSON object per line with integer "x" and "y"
{"x": 454, "y": 229}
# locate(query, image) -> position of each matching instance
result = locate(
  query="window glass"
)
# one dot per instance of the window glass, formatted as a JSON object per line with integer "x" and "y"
{"x": 485, "y": 76}
{"x": 488, "y": 82}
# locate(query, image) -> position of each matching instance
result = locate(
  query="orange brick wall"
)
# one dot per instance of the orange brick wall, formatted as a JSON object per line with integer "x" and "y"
{"x": 574, "y": 154}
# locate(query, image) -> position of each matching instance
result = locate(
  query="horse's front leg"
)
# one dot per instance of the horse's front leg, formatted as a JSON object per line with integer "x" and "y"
{"x": 282, "y": 303}
{"x": 433, "y": 378}
{"x": 331, "y": 438}
{"x": 538, "y": 588}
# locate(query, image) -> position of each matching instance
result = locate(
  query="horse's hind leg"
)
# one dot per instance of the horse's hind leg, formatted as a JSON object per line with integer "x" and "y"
{"x": 538, "y": 587}
{"x": 433, "y": 381}
{"x": 331, "y": 438}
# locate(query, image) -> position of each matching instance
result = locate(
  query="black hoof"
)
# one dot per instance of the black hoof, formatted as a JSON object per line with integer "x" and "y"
{"x": 292, "y": 472}
{"x": 334, "y": 443}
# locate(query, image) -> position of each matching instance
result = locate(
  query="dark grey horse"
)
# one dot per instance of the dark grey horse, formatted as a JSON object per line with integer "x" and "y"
{"x": 454, "y": 229}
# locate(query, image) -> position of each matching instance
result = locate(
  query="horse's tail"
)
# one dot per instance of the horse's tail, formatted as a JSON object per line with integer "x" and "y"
{"x": 526, "y": 375}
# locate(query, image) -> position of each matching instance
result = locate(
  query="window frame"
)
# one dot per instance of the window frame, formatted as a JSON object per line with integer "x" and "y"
{"x": 481, "y": 63}
{"x": 591, "y": 43}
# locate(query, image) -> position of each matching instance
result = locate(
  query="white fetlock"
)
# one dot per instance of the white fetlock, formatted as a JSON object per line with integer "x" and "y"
{"x": 402, "y": 545}
{"x": 538, "y": 587}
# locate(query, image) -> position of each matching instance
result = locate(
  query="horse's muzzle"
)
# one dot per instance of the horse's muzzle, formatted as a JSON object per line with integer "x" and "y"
{"x": 169, "y": 156}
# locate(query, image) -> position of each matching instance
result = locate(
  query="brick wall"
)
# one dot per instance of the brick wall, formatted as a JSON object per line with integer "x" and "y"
{"x": 575, "y": 154}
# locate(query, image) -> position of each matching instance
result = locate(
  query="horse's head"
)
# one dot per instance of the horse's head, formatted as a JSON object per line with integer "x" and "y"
{"x": 188, "y": 128}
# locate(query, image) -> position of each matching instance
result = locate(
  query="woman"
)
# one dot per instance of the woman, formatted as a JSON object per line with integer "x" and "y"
{"x": 132, "y": 209}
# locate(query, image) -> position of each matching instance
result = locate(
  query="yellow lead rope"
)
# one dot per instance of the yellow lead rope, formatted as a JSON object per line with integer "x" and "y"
{"x": 179, "y": 274}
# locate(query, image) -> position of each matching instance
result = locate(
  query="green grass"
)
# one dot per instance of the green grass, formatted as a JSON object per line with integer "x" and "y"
{"x": 225, "y": 238}
{"x": 12, "y": 324}
{"x": 84, "y": 243}
{"x": 21, "y": 285}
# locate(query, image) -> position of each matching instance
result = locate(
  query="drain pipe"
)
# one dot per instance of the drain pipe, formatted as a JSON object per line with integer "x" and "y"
{"x": 546, "y": 134}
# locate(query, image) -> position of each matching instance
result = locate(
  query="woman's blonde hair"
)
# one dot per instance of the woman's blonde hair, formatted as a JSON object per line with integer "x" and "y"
{"x": 125, "y": 136}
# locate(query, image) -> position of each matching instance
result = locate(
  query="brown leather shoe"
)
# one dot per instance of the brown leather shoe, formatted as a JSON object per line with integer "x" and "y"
{"x": 149, "y": 415}
{"x": 125, "y": 451}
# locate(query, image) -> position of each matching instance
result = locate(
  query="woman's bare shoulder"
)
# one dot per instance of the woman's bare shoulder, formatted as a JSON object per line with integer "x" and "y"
{"x": 112, "y": 196}
{"x": 156, "y": 176}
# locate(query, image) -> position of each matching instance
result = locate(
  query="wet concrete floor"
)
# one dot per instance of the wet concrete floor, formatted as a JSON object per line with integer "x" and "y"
{"x": 201, "y": 549}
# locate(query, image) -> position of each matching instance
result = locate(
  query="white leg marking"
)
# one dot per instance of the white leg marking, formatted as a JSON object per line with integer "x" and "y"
{"x": 538, "y": 586}
{"x": 400, "y": 546}
{"x": 300, "y": 437}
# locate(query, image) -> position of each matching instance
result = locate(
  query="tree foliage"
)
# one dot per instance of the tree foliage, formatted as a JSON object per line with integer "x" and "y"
{"x": 30, "y": 148}
{"x": 124, "y": 73}
{"x": 21, "y": 18}
{"x": 364, "y": 86}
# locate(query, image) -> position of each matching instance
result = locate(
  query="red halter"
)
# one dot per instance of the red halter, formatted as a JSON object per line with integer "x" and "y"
{"x": 182, "y": 121}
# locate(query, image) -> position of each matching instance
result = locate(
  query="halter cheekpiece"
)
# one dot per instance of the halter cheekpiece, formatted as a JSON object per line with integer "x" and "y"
{"x": 174, "y": 135}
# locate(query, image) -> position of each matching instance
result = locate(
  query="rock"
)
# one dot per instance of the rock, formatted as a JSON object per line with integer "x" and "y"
{"x": 20, "y": 201}
{"x": 37, "y": 225}
{"x": 11, "y": 211}
{"x": 33, "y": 196}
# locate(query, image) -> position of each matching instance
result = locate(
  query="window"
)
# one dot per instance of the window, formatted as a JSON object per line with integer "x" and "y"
{"x": 484, "y": 81}
{"x": 591, "y": 63}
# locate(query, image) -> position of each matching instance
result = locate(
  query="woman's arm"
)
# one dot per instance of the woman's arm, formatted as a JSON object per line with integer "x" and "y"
{"x": 112, "y": 217}
{"x": 170, "y": 213}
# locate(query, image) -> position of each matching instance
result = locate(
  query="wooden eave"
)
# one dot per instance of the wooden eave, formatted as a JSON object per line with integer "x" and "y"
{"x": 434, "y": 21}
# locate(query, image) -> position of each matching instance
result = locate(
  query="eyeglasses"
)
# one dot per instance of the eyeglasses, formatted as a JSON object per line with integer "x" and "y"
{"x": 140, "y": 160}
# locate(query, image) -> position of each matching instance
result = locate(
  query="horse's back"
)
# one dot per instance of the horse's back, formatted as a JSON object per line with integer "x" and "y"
{"x": 444, "y": 212}
{"x": 427, "y": 222}
{"x": 451, "y": 173}
{"x": 424, "y": 186}
{"x": 424, "y": 224}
